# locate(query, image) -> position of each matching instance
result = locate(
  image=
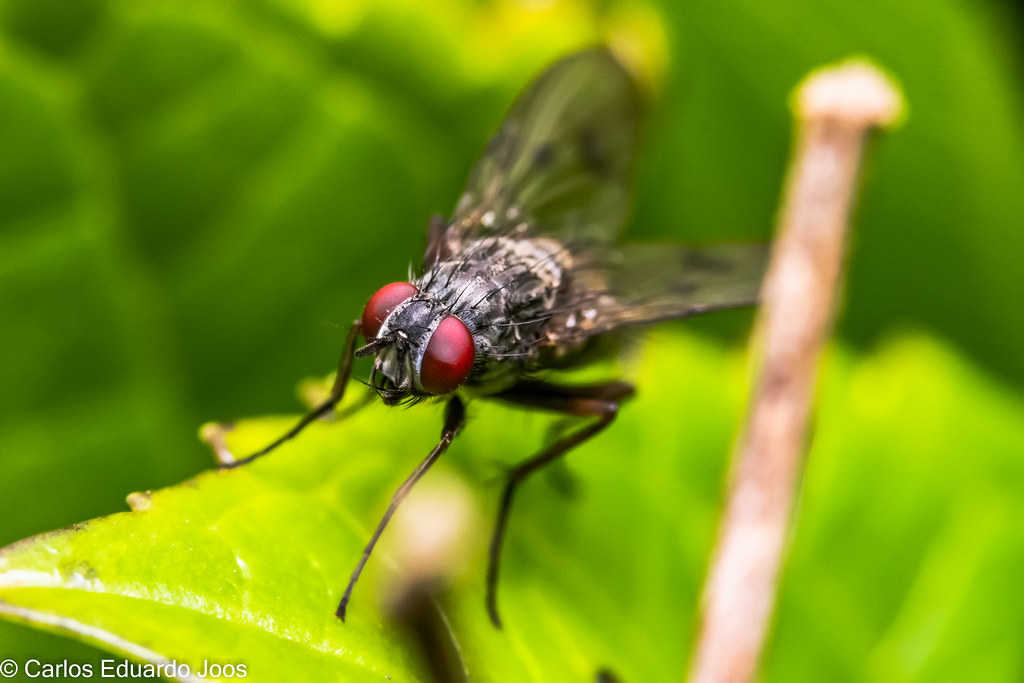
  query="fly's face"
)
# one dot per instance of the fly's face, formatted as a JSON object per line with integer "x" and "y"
{"x": 422, "y": 349}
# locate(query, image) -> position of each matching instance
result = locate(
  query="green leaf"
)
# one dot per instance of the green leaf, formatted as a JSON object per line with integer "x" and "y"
{"x": 195, "y": 196}
{"x": 247, "y": 566}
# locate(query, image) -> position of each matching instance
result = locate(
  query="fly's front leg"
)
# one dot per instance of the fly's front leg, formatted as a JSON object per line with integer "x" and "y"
{"x": 599, "y": 401}
{"x": 337, "y": 393}
{"x": 454, "y": 419}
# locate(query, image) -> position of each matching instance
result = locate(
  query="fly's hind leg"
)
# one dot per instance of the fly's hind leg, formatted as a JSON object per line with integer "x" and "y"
{"x": 333, "y": 399}
{"x": 598, "y": 401}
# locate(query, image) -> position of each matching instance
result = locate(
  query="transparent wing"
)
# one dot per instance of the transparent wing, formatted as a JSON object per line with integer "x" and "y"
{"x": 561, "y": 159}
{"x": 644, "y": 284}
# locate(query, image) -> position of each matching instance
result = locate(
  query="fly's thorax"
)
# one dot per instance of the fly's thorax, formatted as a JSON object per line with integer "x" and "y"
{"x": 505, "y": 288}
{"x": 500, "y": 274}
{"x": 546, "y": 260}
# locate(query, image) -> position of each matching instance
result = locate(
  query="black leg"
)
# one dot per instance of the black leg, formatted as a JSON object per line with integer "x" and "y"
{"x": 337, "y": 392}
{"x": 600, "y": 401}
{"x": 454, "y": 419}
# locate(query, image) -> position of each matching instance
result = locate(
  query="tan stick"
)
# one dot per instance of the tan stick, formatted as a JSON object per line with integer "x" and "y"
{"x": 836, "y": 109}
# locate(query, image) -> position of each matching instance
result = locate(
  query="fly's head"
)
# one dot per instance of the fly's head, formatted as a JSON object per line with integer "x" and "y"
{"x": 422, "y": 349}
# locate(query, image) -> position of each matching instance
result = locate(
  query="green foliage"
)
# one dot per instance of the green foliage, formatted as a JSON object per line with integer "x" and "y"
{"x": 194, "y": 195}
{"x": 246, "y": 566}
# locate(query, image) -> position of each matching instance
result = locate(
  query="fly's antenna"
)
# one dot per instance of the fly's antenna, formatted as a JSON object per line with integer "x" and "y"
{"x": 374, "y": 346}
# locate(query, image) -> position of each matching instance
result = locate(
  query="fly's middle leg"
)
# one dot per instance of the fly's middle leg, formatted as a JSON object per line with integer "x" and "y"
{"x": 598, "y": 401}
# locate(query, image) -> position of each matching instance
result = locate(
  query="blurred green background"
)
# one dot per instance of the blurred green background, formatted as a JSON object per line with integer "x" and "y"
{"x": 196, "y": 198}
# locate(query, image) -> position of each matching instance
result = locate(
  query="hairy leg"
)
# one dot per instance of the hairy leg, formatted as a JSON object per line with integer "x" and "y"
{"x": 454, "y": 419}
{"x": 599, "y": 401}
{"x": 337, "y": 392}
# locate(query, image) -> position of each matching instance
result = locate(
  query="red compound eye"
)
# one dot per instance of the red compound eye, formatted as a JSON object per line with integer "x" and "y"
{"x": 380, "y": 305}
{"x": 448, "y": 359}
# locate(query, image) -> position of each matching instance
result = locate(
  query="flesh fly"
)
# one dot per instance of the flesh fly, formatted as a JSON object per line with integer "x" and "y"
{"x": 527, "y": 276}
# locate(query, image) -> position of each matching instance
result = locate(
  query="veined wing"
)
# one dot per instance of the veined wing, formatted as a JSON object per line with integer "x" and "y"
{"x": 642, "y": 284}
{"x": 561, "y": 159}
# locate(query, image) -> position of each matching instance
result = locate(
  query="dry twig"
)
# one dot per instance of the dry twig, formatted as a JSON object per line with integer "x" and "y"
{"x": 837, "y": 108}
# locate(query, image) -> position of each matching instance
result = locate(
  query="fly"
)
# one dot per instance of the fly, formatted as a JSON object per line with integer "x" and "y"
{"x": 527, "y": 276}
